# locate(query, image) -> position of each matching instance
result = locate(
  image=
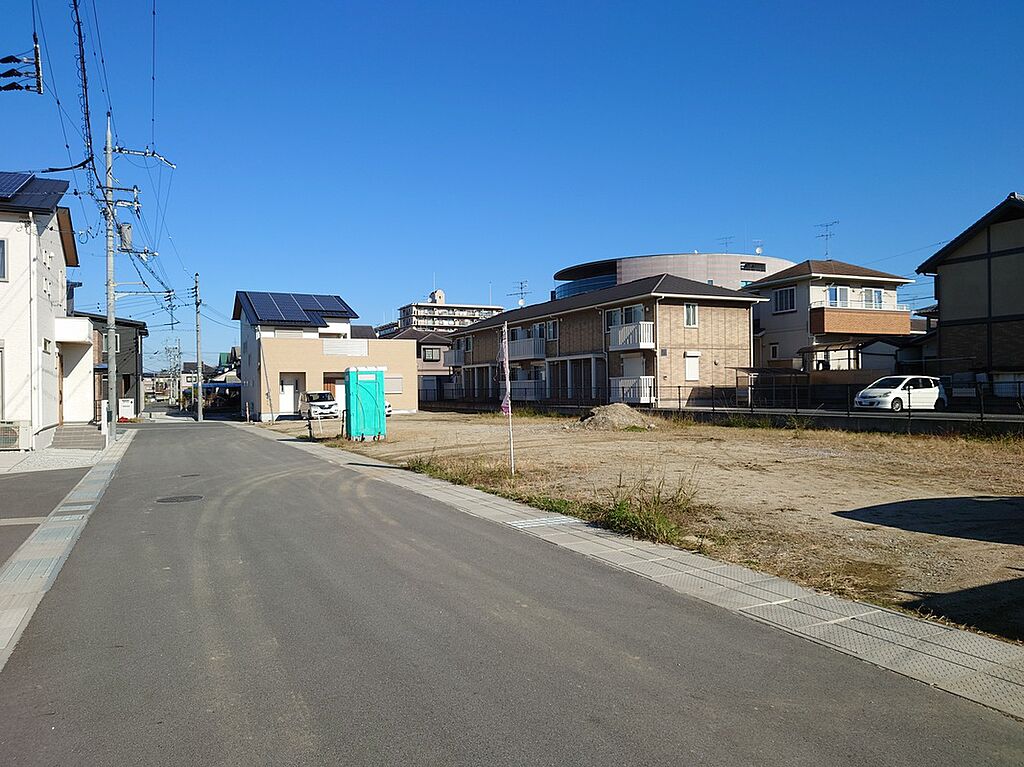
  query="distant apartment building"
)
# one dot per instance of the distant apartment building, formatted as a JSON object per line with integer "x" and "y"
{"x": 431, "y": 371}
{"x": 658, "y": 341}
{"x": 726, "y": 270}
{"x": 436, "y": 315}
{"x": 979, "y": 286}
{"x": 819, "y": 313}
{"x": 297, "y": 342}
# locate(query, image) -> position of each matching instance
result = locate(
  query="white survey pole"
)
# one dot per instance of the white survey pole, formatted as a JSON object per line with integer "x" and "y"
{"x": 108, "y": 210}
{"x": 506, "y": 401}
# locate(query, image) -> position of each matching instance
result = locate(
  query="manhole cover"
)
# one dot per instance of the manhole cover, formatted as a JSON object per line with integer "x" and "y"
{"x": 179, "y": 499}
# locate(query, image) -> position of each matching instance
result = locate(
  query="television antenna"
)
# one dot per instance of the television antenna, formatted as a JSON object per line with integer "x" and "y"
{"x": 726, "y": 242}
{"x": 827, "y": 234}
{"x": 521, "y": 288}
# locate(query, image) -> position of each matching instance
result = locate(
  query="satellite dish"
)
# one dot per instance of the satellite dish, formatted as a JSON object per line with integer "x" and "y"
{"x": 522, "y": 302}
{"x": 759, "y": 250}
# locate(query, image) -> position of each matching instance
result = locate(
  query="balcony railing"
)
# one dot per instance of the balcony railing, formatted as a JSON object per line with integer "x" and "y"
{"x": 634, "y": 390}
{"x": 526, "y": 391}
{"x": 635, "y": 335}
{"x": 860, "y": 303}
{"x": 526, "y": 349}
{"x": 454, "y": 358}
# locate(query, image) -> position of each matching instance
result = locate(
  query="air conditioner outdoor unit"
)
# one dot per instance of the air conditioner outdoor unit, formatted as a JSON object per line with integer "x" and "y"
{"x": 15, "y": 435}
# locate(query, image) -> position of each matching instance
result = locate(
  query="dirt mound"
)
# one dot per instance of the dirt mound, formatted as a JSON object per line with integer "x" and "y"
{"x": 614, "y": 417}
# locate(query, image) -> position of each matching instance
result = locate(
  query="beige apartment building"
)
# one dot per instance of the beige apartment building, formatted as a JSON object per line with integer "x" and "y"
{"x": 297, "y": 342}
{"x": 658, "y": 341}
{"x": 436, "y": 315}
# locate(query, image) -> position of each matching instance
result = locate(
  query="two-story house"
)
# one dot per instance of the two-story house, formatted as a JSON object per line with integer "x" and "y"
{"x": 128, "y": 349}
{"x": 431, "y": 370}
{"x": 45, "y": 355}
{"x": 661, "y": 340}
{"x": 818, "y": 313}
{"x": 979, "y": 286}
{"x": 296, "y": 342}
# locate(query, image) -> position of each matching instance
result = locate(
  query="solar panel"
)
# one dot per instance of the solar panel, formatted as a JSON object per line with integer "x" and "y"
{"x": 265, "y": 307}
{"x": 11, "y": 183}
{"x": 308, "y": 302}
{"x": 290, "y": 309}
{"x": 333, "y": 305}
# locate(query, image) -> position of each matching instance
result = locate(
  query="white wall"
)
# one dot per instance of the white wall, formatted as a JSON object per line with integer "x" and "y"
{"x": 78, "y": 383}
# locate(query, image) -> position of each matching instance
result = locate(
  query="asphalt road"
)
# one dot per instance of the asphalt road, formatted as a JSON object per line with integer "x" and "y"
{"x": 300, "y": 614}
{"x": 29, "y": 495}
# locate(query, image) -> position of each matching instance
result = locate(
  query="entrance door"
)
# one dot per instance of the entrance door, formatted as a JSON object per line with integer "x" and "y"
{"x": 289, "y": 404}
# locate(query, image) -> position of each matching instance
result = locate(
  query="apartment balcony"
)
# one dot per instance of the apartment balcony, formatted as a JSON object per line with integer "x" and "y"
{"x": 454, "y": 358}
{"x": 635, "y": 335}
{"x": 858, "y": 317}
{"x": 526, "y": 349}
{"x": 72, "y": 330}
{"x": 633, "y": 390}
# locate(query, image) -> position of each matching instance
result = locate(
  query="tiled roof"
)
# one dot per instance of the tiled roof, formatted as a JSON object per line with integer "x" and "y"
{"x": 363, "y": 331}
{"x": 657, "y": 285}
{"x": 823, "y": 268}
{"x": 422, "y": 336}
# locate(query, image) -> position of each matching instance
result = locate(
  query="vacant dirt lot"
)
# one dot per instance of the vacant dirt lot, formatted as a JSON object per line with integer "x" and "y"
{"x": 928, "y": 523}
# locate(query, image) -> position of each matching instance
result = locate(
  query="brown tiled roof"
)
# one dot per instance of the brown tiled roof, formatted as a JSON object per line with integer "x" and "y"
{"x": 656, "y": 285}
{"x": 825, "y": 268}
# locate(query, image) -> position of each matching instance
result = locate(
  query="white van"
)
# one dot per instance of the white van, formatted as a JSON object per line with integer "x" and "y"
{"x": 318, "y": 404}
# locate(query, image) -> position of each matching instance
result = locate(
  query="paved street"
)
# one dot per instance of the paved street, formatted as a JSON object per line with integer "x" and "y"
{"x": 302, "y": 614}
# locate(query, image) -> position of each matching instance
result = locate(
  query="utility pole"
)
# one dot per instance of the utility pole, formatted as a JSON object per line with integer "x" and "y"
{"x": 199, "y": 358}
{"x": 108, "y": 212}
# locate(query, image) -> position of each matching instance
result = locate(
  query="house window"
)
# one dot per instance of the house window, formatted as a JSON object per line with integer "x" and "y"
{"x": 838, "y": 296}
{"x": 691, "y": 365}
{"x": 690, "y": 315}
{"x": 3, "y": 259}
{"x": 552, "y": 330}
{"x": 752, "y": 266}
{"x": 784, "y": 300}
{"x": 773, "y": 351}
{"x": 626, "y": 315}
{"x": 117, "y": 343}
{"x": 711, "y": 282}
{"x": 873, "y": 298}
{"x": 392, "y": 384}
{"x": 47, "y": 346}
{"x": 431, "y": 354}
{"x": 516, "y": 334}
{"x": 469, "y": 343}
{"x": 612, "y": 318}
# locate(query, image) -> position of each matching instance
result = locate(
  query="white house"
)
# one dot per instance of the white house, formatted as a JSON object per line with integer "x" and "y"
{"x": 45, "y": 355}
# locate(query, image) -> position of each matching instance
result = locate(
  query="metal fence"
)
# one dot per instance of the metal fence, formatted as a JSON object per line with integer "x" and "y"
{"x": 980, "y": 399}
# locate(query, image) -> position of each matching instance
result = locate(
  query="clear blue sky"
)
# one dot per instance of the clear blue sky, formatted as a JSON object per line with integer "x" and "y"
{"x": 363, "y": 148}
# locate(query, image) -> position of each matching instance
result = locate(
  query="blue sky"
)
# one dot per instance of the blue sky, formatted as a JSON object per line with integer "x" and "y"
{"x": 366, "y": 149}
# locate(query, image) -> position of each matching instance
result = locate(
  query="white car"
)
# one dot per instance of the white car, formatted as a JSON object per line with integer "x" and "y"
{"x": 387, "y": 409}
{"x": 898, "y": 392}
{"x": 318, "y": 404}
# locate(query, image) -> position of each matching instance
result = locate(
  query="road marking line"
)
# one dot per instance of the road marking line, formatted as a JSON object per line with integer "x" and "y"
{"x": 33, "y": 568}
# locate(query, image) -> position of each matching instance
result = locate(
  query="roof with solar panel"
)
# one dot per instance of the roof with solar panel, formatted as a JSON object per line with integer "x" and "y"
{"x": 24, "y": 192}
{"x": 290, "y": 309}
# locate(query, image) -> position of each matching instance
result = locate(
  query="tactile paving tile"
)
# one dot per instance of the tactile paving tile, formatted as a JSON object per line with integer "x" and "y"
{"x": 991, "y": 650}
{"x": 991, "y": 691}
{"x": 901, "y": 624}
{"x": 845, "y": 637}
{"x": 650, "y": 569}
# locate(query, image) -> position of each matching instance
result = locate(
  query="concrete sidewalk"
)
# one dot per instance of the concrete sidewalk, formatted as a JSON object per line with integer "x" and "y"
{"x": 48, "y": 459}
{"x": 984, "y": 670}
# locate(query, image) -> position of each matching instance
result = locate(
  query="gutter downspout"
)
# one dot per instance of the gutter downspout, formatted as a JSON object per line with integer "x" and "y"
{"x": 33, "y": 400}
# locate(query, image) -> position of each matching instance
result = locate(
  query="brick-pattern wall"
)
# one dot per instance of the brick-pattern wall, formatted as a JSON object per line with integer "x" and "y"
{"x": 859, "y": 321}
{"x": 1008, "y": 345}
{"x": 581, "y": 332}
{"x": 722, "y": 337}
{"x": 485, "y": 347}
{"x": 963, "y": 341}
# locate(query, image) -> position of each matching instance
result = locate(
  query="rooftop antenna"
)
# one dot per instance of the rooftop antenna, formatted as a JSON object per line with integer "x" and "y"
{"x": 827, "y": 234}
{"x": 522, "y": 289}
{"x": 490, "y": 298}
{"x": 726, "y": 242}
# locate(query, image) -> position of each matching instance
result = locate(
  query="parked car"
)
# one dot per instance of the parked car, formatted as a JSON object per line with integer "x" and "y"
{"x": 898, "y": 392}
{"x": 318, "y": 404}
{"x": 387, "y": 409}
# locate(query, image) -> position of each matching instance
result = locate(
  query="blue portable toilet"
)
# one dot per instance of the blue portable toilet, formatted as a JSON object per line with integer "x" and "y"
{"x": 364, "y": 403}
